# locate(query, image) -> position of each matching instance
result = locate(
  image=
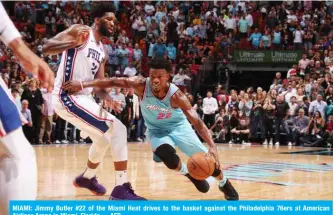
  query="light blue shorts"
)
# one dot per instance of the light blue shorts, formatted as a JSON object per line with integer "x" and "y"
{"x": 183, "y": 137}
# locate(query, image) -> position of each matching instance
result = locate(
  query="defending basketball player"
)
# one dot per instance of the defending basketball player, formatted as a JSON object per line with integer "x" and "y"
{"x": 83, "y": 59}
{"x": 18, "y": 168}
{"x": 166, "y": 111}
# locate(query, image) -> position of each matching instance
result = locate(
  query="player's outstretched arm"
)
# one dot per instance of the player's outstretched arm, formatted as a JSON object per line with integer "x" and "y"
{"x": 137, "y": 83}
{"x": 74, "y": 36}
{"x": 179, "y": 100}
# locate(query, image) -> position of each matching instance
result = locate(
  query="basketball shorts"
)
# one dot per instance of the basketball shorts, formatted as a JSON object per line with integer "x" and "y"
{"x": 84, "y": 113}
{"x": 10, "y": 118}
{"x": 183, "y": 137}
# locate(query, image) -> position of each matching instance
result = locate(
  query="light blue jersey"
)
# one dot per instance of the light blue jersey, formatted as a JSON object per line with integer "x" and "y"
{"x": 159, "y": 114}
{"x": 168, "y": 125}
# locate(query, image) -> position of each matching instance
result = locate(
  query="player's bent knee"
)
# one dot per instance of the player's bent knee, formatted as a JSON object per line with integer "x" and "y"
{"x": 168, "y": 155}
{"x": 118, "y": 141}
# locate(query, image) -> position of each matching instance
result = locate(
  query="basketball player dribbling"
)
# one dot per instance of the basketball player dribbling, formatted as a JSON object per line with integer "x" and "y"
{"x": 166, "y": 111}
{"x": 18, "y": 168}
{"x": 83, "y": 59}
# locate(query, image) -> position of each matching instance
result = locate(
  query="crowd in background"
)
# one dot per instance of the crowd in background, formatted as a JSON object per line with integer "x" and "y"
{"x": 296, "y": 109}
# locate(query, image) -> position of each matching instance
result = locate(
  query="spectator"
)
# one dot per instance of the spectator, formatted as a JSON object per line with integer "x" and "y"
{"x": 130, "y": 71}
{"x": 314, "y": 131}
{"x": 199, "y": 106}
{"x": 159, "y": 49}
{"x": 269, "y": 107}
{"x": 171, "y": 52}
{"x": 282, "y": 113}
{"x": 132, "y": 108}
{"x": 35, "y": 100}
{"x": 179, "y": 78}
{"x": 47, "y": 115}
{"x": 317, "y": 105}
{"x": 240, "y": 133}
{"x": 245, "y": 106}
{"x": 258, "y": 118}
{"x": 113, "y": 58}
{"x": 138, "y": 54}
{"x": 28, "y": 127}
{"x": 243, "y": 26}
{"x": 292, "y": 106}
{"x": 255, "y": 38}
{"x": 305, "y": 105}
{"x": 300, "y": 124}
{"x": 219, "y": 128}
{"x": 123, "y": 55}
{"x": 116, "y": 95}
{"x": 210, "y": 106}
{"x": 17, "y": 98}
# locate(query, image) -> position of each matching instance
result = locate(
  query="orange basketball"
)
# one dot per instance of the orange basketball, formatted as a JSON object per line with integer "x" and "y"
{"x": 201, "y": 165}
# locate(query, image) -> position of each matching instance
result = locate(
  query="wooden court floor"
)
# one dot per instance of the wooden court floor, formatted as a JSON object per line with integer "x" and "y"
{"x": 257, "y": 172}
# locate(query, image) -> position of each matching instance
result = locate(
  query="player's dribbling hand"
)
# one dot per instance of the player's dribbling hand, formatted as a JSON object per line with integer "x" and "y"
{"x": 72, "y": 87}
{"x": 214, "y": 153}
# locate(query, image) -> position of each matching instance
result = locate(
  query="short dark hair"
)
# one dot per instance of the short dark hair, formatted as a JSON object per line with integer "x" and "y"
{"x": 99, "y": 9}
{"x": 160, "y": 63}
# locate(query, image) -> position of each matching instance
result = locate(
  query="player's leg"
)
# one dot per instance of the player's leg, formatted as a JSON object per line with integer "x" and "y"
{"x": 118, "y": 143}
{"x": 18, "y": 170}
{"x": 164, "y": 151}
{"x": 70, "y": 109}
{"x": 189, "y": 143}
{"x": 105, "y": 131}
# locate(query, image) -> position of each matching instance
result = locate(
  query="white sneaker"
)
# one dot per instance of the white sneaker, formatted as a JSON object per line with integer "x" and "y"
{"x": 57, "y": 142}
{"x": 265, "y": 142}
{"x": 64, "y": 142}
{"x": 289, "y": 144}
{"x": 271, "y": 142}
{"x": 277, "y": 144}
{"x": 231, "y": 142}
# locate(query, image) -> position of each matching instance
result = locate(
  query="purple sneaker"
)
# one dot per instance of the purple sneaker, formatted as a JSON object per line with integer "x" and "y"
{"x": 124, "y": 192}
{"x": 90, "y": 184}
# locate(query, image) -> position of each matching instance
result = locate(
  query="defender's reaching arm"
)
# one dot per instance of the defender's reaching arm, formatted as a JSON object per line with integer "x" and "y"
{"x": 137, "y": 83}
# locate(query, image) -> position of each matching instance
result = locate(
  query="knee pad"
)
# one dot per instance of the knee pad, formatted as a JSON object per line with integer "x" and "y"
{"x": 168, "y": 155}
{"x": 97, "y": 150}
{"x": 118, "y": 141}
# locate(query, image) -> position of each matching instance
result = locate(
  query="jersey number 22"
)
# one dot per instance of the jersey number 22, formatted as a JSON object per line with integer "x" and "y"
{"x": 162, "y": 115}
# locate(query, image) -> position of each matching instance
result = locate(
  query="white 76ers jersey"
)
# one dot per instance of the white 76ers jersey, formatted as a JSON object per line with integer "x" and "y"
{"x": 80, "y": 64}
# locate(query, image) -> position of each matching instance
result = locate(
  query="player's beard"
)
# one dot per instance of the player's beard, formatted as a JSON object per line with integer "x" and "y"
{"x": 103, "y": 29}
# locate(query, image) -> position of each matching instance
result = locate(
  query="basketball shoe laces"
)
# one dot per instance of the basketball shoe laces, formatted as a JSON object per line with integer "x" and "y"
{"x": 129, "y": 188}
{"x": 94, "y": 181}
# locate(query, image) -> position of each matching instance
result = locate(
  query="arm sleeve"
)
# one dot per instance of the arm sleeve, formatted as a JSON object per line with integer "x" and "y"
{"x": 8, "y": 31}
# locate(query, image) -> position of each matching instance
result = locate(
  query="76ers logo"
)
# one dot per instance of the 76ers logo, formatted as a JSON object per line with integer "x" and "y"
{"x": 162, "y": 115}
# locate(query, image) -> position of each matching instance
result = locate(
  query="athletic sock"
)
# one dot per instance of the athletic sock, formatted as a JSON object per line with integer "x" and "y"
{"x": 223, "y": 181}
{"x": 121, "y": 177}
{"x": 183, "y": 169}
{"x": 89, "y": 173}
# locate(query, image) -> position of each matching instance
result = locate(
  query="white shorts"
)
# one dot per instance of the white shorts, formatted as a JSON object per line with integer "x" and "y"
{"x": 84, "y": 113}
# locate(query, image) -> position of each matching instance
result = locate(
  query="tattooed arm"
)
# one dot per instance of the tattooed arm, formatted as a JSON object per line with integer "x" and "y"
{"x": 179, "y": 100}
